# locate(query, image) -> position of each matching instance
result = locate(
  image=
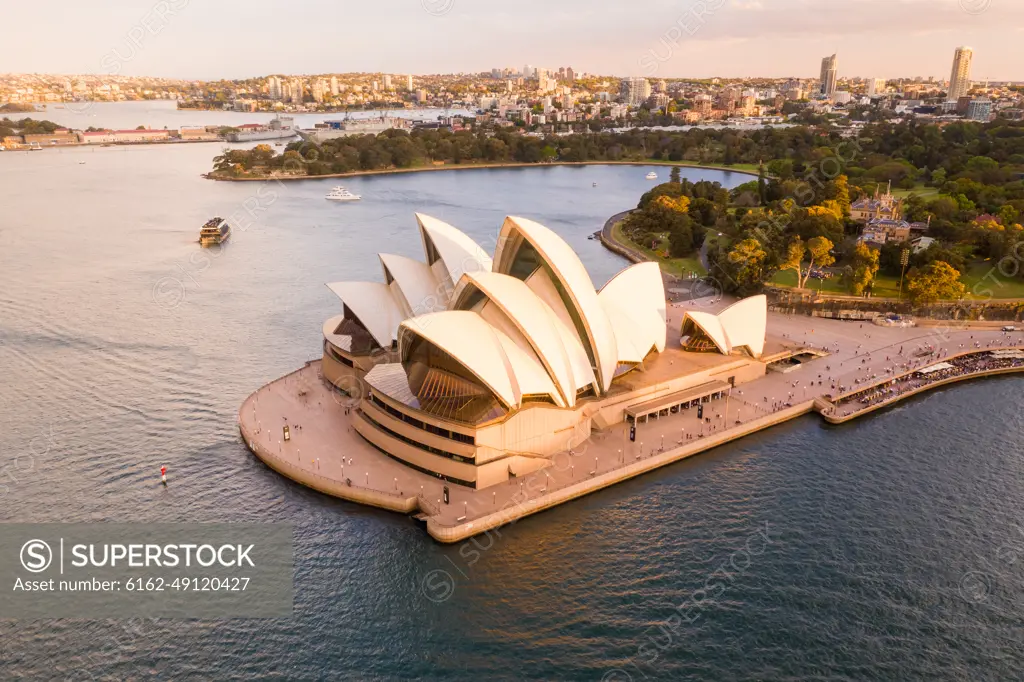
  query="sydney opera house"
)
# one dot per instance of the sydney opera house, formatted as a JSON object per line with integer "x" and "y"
{"x": 475, "y": 370}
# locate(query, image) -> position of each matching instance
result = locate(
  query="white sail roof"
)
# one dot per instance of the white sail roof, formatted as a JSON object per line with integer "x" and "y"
{"x": 528, "y": 324}
{"x": 412, "y": 288}
{"x": 418, "y": 290}
{"x": 746, "y": 323}
{"x": 454, "y": 249}
{"x": 741, "y": 325}
{"x": 539, "y": 325}
{"x": 486, "y": 352}
{"x": 634, "y": 301}
{"x": 374, "y": 305}
{"x": 565, "y": 265}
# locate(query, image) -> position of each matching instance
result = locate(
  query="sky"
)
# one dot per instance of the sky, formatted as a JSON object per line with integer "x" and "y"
{"x": 213, "y": 39}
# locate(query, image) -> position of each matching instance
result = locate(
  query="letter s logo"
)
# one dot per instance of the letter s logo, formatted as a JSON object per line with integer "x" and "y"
{"x": 36, "y": 556}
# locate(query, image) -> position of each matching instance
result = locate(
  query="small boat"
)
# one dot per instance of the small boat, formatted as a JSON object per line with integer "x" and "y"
{"x": 652, "y": 176}
{"x": 595, "y": 184}
{"x": 35, "y": 147}
{"x": 214, "y": 232}
{"x": 339, "y": 193}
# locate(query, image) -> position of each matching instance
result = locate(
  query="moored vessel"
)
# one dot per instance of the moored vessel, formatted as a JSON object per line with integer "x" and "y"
{"x": 278, "y": 129}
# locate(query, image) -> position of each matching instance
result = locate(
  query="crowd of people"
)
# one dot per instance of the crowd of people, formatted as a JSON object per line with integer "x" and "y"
{"x": 963, "y": 365}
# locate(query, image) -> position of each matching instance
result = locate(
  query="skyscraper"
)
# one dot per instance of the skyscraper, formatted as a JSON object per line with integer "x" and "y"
{"x": 635, "y": 90}
{"x": 829, "y": 65}
{"x": 408, "y": 83}
{"x": 960, "y": 78}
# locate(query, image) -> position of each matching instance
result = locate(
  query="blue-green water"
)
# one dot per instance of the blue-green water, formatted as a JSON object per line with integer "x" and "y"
{"x": 883, "y": 549}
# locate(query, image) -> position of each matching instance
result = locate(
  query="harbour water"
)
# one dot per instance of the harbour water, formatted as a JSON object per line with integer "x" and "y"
{"x": 883, "y": 549}
{"x": 159, "y": 114}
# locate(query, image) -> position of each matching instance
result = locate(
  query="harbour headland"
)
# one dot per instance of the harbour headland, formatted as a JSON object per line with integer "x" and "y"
{"x": 324, "y": 451}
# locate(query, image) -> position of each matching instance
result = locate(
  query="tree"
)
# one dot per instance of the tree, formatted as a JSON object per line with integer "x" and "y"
{"x": 819, "y": 249}
{"x": 865, "y": 267}
{"x": 681, "y": 240}
{"x": 936, "y": 281}
{"x": 674, "y": 174}
{"x": 829, "y": 207}
{"x": 838, "y": 190}
{"x": 743, "y": 269}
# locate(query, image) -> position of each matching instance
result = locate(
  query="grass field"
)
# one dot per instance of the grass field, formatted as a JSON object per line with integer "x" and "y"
{"x": 921, "y": 191}
{"x": 984, "y": 281}
{"x": 885, "y": 287}
{"x": 744, "y": 167}
{"x": 675, "y": 266}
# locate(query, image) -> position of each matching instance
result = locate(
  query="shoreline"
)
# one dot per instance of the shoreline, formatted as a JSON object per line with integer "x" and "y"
{"x": 332, "y": 415}
{"x": 86, "y": 145}
{"x": 424, "y": 169}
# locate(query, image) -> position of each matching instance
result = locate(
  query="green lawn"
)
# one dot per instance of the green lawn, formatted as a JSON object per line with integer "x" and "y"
{"x": 747, "y": 167}
{"x": 675, "y": 266}
{"x": 984, "y": 281}
{"x": 920, "y": 190}
{"x": 885, "y": 286}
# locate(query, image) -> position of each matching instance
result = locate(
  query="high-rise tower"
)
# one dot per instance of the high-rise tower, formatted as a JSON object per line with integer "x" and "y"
{"x": 960, "y": 78}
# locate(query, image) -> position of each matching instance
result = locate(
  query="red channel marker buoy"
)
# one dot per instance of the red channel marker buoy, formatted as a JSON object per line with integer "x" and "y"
{"x": 163, "y": 475}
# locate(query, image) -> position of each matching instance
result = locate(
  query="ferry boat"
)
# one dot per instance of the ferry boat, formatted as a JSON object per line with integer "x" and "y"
{"x": 652, "y": 176}
{"x": 215, "y": 231}
{"x": 339, "y": 193}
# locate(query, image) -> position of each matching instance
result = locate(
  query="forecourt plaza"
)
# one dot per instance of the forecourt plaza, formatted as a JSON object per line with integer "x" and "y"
{"x": 472, "y": 391}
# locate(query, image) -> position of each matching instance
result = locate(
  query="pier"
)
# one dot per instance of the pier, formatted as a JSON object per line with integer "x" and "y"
{"x": 841, "y": 365}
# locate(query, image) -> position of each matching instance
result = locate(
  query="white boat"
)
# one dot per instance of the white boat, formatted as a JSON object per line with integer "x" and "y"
{"x": 652, "y": 176}
{"x": 339, "y": 193}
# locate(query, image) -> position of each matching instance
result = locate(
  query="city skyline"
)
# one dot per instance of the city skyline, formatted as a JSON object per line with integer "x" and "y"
{"x": 748, "y": 38}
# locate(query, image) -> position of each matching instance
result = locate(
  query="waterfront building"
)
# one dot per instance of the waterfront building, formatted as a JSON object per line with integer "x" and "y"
{"x": 477, "y": 370}
{"x": 57, "y": 137}
{"x": 960, "y": 77}
{"x": 829, "y": 70}
{"x": 112, "y": 136}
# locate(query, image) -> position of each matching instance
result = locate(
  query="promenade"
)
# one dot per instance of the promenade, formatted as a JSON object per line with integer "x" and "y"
{"x": 324, "y": 452}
